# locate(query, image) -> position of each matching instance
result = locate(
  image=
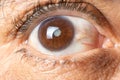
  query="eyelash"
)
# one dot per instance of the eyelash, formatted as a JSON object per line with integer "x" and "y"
{"x": 82, "y": 7}
{"x": 41, "y": 10}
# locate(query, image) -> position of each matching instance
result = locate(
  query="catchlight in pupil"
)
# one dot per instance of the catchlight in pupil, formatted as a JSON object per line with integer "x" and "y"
{"x": 56, "y": 33}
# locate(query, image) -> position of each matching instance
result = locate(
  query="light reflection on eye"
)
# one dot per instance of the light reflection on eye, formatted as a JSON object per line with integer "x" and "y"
{"x": 59, "y": 35}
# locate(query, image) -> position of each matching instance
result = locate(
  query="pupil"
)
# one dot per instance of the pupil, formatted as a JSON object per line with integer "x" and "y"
{"x": 56, "y": 33}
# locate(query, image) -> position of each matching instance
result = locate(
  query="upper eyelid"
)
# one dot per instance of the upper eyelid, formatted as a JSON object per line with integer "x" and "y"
{"x": 26, "y": 10}
{"x": 50, "y": 2}
{"x": 28, "y": 6}
{"x": 12, "y": 14}
{"x": 98, "y": 19}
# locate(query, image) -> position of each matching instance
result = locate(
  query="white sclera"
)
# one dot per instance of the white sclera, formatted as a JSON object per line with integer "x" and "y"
{"x": 85, "y": 38}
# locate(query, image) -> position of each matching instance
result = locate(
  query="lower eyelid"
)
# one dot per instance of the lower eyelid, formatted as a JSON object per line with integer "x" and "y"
{"x": 101, "y": 59}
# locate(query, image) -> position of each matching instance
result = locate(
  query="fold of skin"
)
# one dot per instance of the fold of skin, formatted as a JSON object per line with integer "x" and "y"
{"x": 25, "y": 63}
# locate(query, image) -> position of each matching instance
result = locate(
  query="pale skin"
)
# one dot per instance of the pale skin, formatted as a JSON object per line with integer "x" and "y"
{"x": 17, "y": 64}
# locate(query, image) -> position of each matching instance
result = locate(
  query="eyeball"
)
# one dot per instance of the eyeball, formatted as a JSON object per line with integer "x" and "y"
{"x": 61, "y": 35}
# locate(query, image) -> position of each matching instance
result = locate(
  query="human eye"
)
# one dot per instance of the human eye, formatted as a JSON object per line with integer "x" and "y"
{"x": 64, "y": 28}
{"x": 59, "y": 39}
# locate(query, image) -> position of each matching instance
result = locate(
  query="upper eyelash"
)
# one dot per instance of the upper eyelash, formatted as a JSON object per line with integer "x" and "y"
{"x": 17, "y": 26}
{"x": 41, "y": 10}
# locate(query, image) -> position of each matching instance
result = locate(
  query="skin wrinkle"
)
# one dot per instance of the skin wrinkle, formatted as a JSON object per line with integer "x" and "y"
{"x": 103, "y": 63}
{"x": 98, "y": 64}
{"x": 94, "y": 66}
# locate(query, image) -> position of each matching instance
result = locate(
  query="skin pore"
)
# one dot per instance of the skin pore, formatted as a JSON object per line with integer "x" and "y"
{"x": 19, "y": 61}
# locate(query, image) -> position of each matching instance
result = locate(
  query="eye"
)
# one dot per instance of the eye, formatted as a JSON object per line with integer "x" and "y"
{"x": 65, "y": 28}
{"x": 64, "y": 35}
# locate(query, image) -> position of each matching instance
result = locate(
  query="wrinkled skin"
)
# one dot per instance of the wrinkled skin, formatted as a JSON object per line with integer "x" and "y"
{"x": 17, "y": 64}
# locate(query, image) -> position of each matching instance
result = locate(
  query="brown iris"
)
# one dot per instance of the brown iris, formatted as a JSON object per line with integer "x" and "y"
{"x": 56, "y": 33}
